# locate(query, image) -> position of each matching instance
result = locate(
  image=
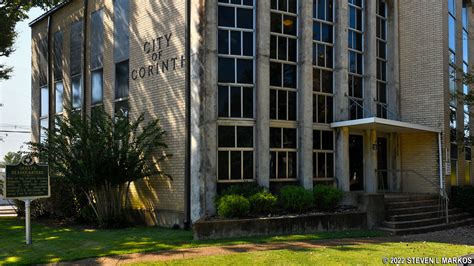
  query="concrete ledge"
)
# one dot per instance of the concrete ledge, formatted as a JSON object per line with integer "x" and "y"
{"x": 304, "y": 224}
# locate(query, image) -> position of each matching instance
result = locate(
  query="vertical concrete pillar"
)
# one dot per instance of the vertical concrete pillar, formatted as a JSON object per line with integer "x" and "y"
{"x": 263, "y": 94}
{"x": 370, "y": 59}
{"x": 394, "y": 163}
{"x": 393, "y": 61}
{"x": 370, "y": 161}
{"x": 203, "y": 107}
{"x": 305, "y": 98}
{"x": 471, "y": 87}
{"x": 342, "y": 158}
{"x": 341, "y": 102}
{"x": 461, "y": 162}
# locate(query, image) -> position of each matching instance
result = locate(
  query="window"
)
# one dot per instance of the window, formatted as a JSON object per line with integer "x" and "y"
{"x": 97, "y": 84}
{"x": 121, "y": 55}
{"x": 323, "y": 61}
{"x": 381, "y": 97}
{"x": 44, "y": 112}
{"x": 283, "y": 153}
{"x": 57, "y": 58}
{"x": 323, "y": 154}
{"x": 59, "y": 94}
{"x": 121, "y": 87}
{"x": 121, "y": 30}
{"x": 43, "y": 127}
{"x": 236, "y": 119}
{"x": 96, "y": 57}
{"x": 235, "y": 153}
{"x": 283, "y": 60}
{"x": 356, "y": 52}
{"x": 76, "y": 92}
{"x": 76, "y": 64}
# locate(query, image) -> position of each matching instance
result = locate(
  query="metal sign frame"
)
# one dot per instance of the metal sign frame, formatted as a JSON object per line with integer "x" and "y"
{"x": 27, "y": 161}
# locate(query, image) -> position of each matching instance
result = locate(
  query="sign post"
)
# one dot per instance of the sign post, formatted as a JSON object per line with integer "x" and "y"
{"x": 27, "y": 181}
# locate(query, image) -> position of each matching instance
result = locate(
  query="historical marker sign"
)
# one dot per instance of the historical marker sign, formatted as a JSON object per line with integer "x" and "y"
{"x": 27, "y": 181}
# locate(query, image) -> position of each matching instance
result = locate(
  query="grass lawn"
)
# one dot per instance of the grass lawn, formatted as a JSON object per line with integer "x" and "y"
{"x": 366, "y": 254}
{"x": 53, "y": 244}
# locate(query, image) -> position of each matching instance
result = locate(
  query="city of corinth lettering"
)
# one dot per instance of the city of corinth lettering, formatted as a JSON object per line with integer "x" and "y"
{"x": 155, "y": 48}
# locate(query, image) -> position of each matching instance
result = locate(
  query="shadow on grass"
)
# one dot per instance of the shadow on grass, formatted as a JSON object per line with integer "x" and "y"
{"x": 54, "y": 244}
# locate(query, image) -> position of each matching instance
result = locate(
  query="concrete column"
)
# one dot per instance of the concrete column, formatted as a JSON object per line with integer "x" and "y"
{"x": 461, "y": 162}
{"x": 263, "y": 94}
{"x": 341, "y": 90}
{"x": 342, "y": 158}
{"x": 305, "y": 97}
{"x": 370, "y": 161}
{"x": 471, "y": 87}
{"x": 203, "y": 107}
{"x": 370, "y": 59}
{"x": 394, "y": 163}
{"x": 393, "y": 61}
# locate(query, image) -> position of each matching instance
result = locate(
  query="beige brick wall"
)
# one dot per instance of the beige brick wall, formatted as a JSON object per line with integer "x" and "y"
{"x": 419, "y": 154}
{"x": 161, "y": 95}
{"x": 424, "y": 77}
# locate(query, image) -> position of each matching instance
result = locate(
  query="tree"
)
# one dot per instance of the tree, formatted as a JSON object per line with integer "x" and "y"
{"x": 11, "y": 158}
{"x": 101, "y": 156}
{"x": 12, "y": 12}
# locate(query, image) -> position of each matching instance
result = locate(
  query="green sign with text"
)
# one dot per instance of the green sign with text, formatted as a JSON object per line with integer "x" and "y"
{"x": 26, "y": 181}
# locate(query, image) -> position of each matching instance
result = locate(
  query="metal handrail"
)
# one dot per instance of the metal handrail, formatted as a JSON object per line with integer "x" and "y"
{"x": 355, "y": 102}
{"x": 395, "y": 116}
{"x": 442, "y": 192}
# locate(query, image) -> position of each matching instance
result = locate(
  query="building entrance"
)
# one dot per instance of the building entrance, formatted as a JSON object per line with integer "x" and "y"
{"x": 356, "y": 162}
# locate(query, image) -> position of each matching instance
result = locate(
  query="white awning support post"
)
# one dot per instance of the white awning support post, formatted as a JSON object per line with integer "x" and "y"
{"x": 28, "y": 221}
{"x": 442, "y": 189}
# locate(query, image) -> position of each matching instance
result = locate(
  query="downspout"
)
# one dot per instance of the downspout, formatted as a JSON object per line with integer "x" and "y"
{"x": 441, "y": 179}
{"x": 50, "y": 80}
{"x": 440, "y": 153}
{"x": 84, "y": 56}
{"x": 187, "y": 174}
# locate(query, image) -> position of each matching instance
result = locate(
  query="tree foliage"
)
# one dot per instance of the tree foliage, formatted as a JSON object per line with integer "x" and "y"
{"x": 12, "y": 12}
{"x": 101, "y": 156}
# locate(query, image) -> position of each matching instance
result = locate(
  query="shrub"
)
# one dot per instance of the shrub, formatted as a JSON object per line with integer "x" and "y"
{"x": 295, "y": 199}
{"x": 463, "y": 197}
{"x": 244, "y": 189}
{"x": 326, "y": 197}
{"x": 231, "y": 206}
{"x": 263, "y": 203}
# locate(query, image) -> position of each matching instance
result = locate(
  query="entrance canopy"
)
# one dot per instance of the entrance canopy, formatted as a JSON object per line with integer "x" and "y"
{"x": 384, "y": 125}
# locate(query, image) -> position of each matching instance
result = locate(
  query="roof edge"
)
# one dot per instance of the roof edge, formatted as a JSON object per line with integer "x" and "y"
{"x": 48, "y": 13}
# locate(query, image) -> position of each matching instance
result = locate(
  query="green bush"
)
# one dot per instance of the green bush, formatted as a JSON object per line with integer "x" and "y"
{"x": 295, "y": 199}
{"x": 244, "y": 189}
{"x": 233, "y": 206}
{"x": 247, "y": 189}
{"x": 326, "y": 197}
{"x": 263, "y": 203}
{"x": 463, "y": 197}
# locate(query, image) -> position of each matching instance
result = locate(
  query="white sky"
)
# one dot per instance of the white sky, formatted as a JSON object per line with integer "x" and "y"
{"x": 15, "y": 94}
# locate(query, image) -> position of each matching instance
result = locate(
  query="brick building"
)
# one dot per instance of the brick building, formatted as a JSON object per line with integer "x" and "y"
{"x": 355, "y": 93}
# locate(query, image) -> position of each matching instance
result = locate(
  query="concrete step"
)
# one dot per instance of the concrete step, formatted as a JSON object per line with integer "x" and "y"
{"x": 412, "y": 210}
{"x": 428, "y": 228}
{"x": 411, "y": 197}
{"x": 408, "y": 204}
{"x": 425, "y": 222}
{"x": 419, "y": 216}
